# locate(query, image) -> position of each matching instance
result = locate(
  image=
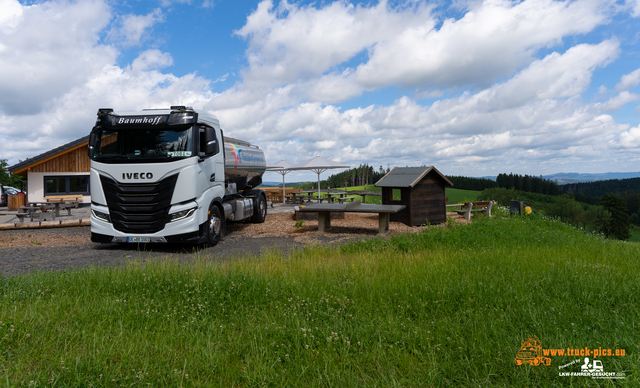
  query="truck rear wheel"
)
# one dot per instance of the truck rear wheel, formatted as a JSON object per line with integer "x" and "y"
{"x": 259, "y": 209}
{"x": 215, "y": 226}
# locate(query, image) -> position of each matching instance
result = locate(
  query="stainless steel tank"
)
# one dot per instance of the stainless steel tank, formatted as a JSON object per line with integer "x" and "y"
{"x": 244, "y": 163}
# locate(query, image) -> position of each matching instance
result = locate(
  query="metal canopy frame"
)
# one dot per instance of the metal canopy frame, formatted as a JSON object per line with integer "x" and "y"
{"x": 317, "y": 165}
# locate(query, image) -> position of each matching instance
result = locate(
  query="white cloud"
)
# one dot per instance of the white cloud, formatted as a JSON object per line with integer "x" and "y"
{"x": 630, "y": 138}
{"x": 629, "y": 81}
{"x": 405, "y": 46}
{"x": 293, "y": 42}
{"x": 634, "y": 6}
{"x": 56, "y": 73}
{"x": 129, "y": 30}
{"x": 535, "y": 112}
{"x": 152, "y": 59}
{"x": 45, "y": 54}
{"x": 617, "y": 102}
{"x": 492, "y": 40}
{"x": 11, "y": 14}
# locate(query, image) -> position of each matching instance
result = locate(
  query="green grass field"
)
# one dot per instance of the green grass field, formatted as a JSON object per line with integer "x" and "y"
{"x": 446, "y": 307}
{"x": 453, "y": 195}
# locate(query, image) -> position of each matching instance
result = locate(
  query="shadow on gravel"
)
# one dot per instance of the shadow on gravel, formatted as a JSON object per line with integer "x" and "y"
{"x": 158, "y": 247}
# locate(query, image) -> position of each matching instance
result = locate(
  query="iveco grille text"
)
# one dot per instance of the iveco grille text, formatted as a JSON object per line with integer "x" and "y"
{"x": 145, "y": 120}
{"x": 137, "y": 175}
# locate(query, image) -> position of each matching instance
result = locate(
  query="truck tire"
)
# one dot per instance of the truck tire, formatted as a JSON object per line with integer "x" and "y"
{"x": 215, "y": 226}
{"x": 259, "y": 209}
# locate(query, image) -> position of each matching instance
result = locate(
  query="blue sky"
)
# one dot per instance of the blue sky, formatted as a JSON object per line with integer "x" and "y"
{"x": 472, "y": 87}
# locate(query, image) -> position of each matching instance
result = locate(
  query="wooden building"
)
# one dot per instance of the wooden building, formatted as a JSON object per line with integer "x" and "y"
{"x": 420, "y": 189}
{"x": 61, "y": 171}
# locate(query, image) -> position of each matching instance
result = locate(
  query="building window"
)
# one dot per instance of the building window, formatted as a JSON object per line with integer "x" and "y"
{"x": 396, "y": 194}
{"x": 58, "y": 185}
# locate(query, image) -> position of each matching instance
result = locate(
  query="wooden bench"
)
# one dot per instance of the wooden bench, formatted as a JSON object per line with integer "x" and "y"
{"x": 470, "y": 207}
{"x": 46, "y": 216}
{"x": 56, "y": 206}
{"x": 71, "y": 199}
{"x": 325, "y": 210}
{"x": 36, "y": 213}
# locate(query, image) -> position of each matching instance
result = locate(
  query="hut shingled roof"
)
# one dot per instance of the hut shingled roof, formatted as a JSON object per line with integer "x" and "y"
{"x": 408, "y": 176}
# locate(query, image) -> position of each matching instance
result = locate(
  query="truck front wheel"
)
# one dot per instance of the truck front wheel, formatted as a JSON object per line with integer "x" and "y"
{"x": 259, "y": 209}
{"x": 215, "y": 225}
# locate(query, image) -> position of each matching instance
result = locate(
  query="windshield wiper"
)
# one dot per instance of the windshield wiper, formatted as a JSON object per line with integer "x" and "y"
{"x": 156, "y": 156}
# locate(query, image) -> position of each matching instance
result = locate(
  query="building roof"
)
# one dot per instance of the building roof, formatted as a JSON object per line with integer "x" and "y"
{"x": 23, "y": 166}
{"x": 408, "y": 176}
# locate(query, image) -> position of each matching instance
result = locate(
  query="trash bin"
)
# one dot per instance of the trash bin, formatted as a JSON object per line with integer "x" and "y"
{"x": 16, "y": 201}
{"x": 515, "y": 207}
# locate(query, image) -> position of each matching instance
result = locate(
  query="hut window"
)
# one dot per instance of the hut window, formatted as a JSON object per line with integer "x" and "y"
{"x": 396, "y": 195}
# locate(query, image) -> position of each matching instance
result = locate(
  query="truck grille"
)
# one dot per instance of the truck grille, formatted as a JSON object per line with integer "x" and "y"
{"x": 139, "y": 207}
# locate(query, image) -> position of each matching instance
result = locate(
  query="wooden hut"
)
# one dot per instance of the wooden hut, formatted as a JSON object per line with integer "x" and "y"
{"x": 420, "y": 189}
{"x": 60, "y": 172}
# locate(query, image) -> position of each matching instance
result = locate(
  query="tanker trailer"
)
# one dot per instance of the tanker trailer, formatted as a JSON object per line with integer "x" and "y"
{"x": 170, "y": 176}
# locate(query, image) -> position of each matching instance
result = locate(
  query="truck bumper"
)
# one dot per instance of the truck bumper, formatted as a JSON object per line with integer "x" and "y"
{"x": 183, "y": 231}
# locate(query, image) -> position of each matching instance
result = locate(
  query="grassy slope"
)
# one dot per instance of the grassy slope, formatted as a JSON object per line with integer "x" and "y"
{"x": 446, "y": 307}
{"x": 454, "y": 195}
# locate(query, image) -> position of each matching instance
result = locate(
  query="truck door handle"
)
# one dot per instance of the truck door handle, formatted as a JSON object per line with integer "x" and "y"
{"x": 212, "y": 178}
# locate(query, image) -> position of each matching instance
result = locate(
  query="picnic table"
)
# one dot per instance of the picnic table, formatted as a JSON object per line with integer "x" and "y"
{"x": 73, "y": 200}
{"x": 334, "y": 195}
{"x": 56, "y": 206}
{"x": 324, "y": 213}
{"x": 303, "y": 196}
{"x": 32, "y": 211}
{"x": 364, "y": 194}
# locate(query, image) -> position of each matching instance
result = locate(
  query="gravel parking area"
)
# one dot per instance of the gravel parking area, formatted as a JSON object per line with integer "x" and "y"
{"x": 58, "y": 249}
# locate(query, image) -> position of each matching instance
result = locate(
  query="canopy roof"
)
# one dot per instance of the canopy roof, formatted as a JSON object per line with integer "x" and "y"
{"x": 281, "y": 167}
{"x": 318, "y": 165}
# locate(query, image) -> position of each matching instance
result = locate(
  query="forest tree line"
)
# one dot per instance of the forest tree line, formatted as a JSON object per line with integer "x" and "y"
{"x": 528, "y": 183}
{"x": 361, "y": 176}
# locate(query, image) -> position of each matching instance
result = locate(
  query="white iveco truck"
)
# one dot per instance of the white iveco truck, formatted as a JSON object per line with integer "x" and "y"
{"x": 170, "y": 175}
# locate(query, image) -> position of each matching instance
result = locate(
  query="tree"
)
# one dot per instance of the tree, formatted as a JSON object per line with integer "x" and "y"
{"x": 597, "y": 217}
{"x": 618, "y": 225}
{"x": 6, "y": 179}
{"x": 567, "y": 210}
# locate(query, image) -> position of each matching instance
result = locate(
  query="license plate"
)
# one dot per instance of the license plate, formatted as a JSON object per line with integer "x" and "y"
{"x": 138, "y": 239}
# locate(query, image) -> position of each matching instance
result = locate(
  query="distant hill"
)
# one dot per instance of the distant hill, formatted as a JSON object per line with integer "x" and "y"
{"x": 576, "y": 177}
{"x": 561, "y": 178}
{"x": 573, "y": 177}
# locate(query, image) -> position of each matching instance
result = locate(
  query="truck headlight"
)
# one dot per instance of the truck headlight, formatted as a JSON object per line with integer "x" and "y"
{"x": 181, "y": 215}
{"x": 101, "y": 216}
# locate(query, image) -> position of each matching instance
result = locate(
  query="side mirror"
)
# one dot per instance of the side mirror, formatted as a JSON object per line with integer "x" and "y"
{"x": 211, "y": 145}
{"x": 92, "y": 142}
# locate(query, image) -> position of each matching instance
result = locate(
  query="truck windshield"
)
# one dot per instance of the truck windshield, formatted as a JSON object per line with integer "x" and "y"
{"x": 144, "y": 144}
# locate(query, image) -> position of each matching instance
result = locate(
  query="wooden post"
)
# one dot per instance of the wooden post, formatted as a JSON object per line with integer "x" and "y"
{"x": 467, "y": 215}
{"x": 383, "y": 224}
{"x": 324, "y": 221}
